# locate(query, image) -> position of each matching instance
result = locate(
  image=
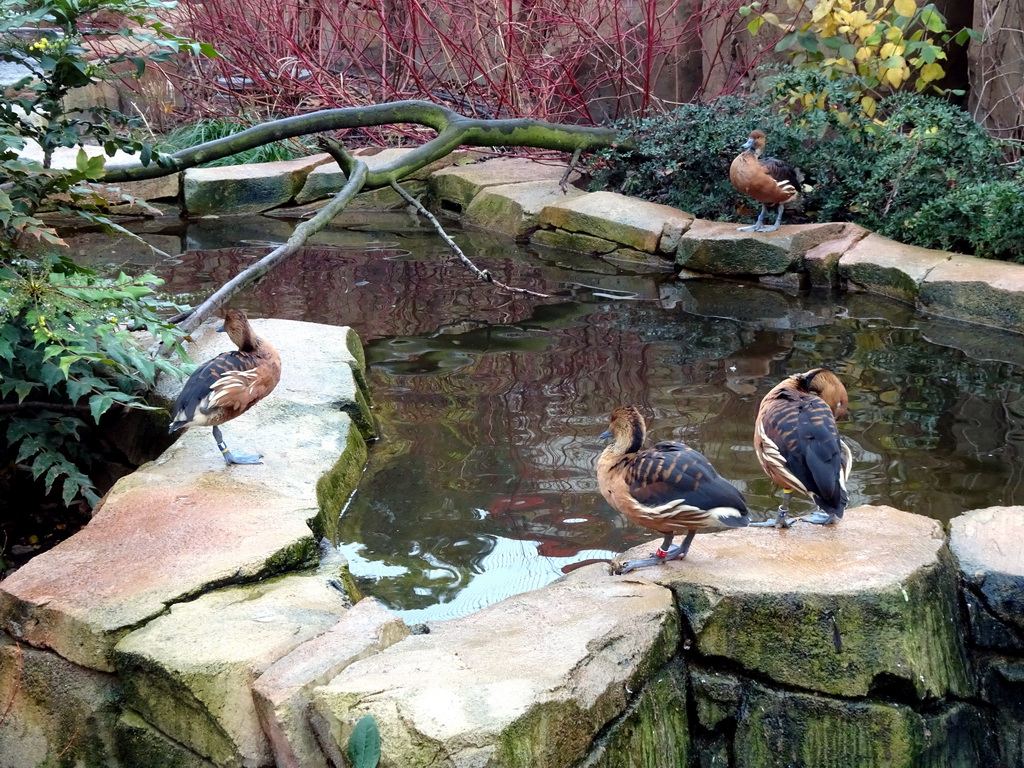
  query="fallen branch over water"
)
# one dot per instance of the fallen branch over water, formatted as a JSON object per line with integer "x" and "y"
{"x": 453, "y": 130}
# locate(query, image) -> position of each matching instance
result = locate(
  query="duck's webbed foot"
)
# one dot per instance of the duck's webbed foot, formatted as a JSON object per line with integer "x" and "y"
{"x": 821, "y": 518}
{"x": 663, "y": 554}
{"x": 782, "y": 520}
{"x": 233, "y": 457}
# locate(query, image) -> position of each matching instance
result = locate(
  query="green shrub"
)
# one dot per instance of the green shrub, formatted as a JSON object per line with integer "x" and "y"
{"x": 921, "y": 171}
{"x": 67, "y": 352}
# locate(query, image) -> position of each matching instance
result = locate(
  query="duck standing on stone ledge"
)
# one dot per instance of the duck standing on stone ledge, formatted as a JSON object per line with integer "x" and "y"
{"x": 229, "y": 385}
{"x": 799, "y": 447}
{"x": 670, "y": 488}
{"x": 768, "y": 180}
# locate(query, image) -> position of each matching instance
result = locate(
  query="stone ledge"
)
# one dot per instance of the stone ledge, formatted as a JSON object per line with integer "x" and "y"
{"x": 525, "y": 682}
{"x": 987, "y": 544}
{"x": 186, "y": 523}
{"x": 763, "y": 598}
{"x": 628, "y": 221}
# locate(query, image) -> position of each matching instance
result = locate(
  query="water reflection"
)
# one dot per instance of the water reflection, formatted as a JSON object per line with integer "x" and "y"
{"x": 483, "y": 485}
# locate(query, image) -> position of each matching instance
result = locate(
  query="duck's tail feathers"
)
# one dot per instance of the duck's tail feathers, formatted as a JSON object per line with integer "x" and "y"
{"x": 731, "y": 517}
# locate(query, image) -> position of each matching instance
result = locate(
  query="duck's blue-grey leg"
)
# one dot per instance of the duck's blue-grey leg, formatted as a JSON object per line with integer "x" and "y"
{"x": 234, "y": 458}
{"x": 821, "y": 518}
{"x": 665, "y": 553}
{"x": 757, "y": 225}
{"x": 778, "y": 220}
{"x": 780, "y": 521}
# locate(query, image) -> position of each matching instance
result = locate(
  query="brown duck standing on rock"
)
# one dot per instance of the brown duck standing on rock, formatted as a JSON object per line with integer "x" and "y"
{"x": 768, "y": 180}
{"x": 670, "y": 488}
{"x": 799, "y": 447}
{"x": 229, "y": 385}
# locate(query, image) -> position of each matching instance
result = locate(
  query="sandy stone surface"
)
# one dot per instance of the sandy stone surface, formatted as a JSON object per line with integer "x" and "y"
{"x": 878, "y": 264}
{"x": 528, "y": 681}
{"x": 978, "y": 290}
{"x": 186, "y": 523}
{"x": 282, "y": 694}
{"x": 458, "y": 184}
{"x": 832, "y": 609}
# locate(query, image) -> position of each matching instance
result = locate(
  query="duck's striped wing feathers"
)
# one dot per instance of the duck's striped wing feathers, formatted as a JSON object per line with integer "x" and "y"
{"x": 222, "y": 388}
{"x": 672, "y": 482}
{"x": 800, "y": 448}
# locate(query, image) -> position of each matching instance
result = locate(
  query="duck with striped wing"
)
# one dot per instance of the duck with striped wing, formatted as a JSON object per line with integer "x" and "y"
{"x": 799, "y": 447}
{"x": 768, "y": 180}
{"x": 228, "y": 385}
{"x": 669, "y": 488}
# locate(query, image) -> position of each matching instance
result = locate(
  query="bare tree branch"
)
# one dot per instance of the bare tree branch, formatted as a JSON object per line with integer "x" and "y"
{"x": 302, "y": 232}
{"x": 482, "y": 274}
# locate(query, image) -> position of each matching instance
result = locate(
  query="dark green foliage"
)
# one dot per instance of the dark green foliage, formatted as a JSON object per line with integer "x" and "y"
{"x": 364, "y": 744}
{"x": 67, "y": 352}
{"x": 922, "y": 172}
{"x": 67, "y": 356}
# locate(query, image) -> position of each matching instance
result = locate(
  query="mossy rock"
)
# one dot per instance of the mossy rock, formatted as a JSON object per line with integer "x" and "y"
{"x": 866, "y": 606}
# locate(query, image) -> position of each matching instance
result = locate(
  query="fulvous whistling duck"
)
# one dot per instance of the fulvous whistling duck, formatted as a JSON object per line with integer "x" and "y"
{"x": 798, "y": 444}
{"x": 768, "y": 180}
{"x": 229, "y": 384}
{"x": 670, "y": 488}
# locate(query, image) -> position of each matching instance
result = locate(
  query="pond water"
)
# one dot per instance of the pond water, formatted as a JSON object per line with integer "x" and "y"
{"x": 483, "y": 483}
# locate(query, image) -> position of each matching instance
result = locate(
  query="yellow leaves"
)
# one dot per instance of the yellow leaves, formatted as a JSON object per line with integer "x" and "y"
{"x": 869, "y": 105}
{"x": 905, "y": 7}
{"x": 864, "y": 53}
{"x": 890, "y": 49}
{"x": 931, "y": 72}
{"x": 895, "y": 76}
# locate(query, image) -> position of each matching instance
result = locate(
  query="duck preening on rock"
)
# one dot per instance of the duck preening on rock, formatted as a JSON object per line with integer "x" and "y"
{"x": 799, "y": 447}
{"x": 229, "y": 384}
{"x": 670, "y": 488}
{"x": 768, "y": 180}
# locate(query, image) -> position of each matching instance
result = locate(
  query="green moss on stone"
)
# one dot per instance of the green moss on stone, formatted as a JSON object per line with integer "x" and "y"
{"x": 735, "y": 256}
{"x": 894, "y": 283}
{"x": 785, "y": 728}
{"x": 138, "y": 743}
{"x": 335, "y": 487}
{"x": 572, "y": 241}
{"x": 653, "y": 732}
{"x": 841, "y": 643}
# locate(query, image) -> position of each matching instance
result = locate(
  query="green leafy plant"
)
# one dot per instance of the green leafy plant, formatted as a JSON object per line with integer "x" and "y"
{"x": 921, "y": 172}
{"x": 68, "y": 351}
{"x": 364, "y": 744}
{"x": 883, "y": 45}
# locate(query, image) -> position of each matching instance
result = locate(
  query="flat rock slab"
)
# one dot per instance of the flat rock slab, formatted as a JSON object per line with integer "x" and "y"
{"x": 987, "y": 544}
{"x": 240, "y": 189}
{"x": 457, "y": 185}
{"x": 190, "y": 672}
{"x": 719, "y": 248}
{"x": 880, "y": 265}
{"x": 187, "y": 523}
{"x": 284, "y": 691}
{"x": 526, "y": 682}
{"x": 845, "y": 610}
{"x": 977, "y": 290}
{"x": 328, "y": 179}
{"x": 511, "y": 209}
{"x": 637, "y": 224}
